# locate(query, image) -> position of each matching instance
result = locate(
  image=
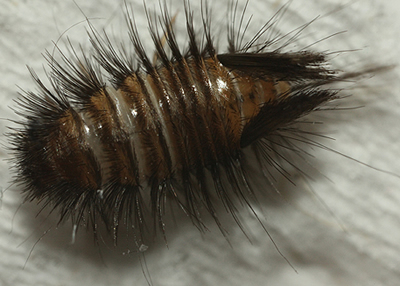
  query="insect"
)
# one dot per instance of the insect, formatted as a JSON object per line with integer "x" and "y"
{"x": 190, "y": 148}
{"x": 168, "y": 131}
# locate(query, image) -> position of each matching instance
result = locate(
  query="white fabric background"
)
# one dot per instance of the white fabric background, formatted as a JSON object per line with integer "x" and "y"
{"x": 366, "y": 201}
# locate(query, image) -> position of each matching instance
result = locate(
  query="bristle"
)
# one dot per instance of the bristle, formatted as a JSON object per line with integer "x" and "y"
{"x": 173, "y": 130}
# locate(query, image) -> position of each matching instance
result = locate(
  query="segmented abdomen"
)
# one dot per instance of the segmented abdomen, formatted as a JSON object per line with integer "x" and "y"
{"x": 155, "y": 126}
{"x": 93, "y": 149}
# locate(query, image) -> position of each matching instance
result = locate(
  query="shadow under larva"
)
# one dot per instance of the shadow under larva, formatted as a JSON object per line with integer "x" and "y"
{"x": 119, "y": 151}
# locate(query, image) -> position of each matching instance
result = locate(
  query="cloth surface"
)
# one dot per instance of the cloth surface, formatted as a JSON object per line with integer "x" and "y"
{"x": 342, "y": 227}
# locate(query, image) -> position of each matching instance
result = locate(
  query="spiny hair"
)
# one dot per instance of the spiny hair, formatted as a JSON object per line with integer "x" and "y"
{"x": 172, "y": 130}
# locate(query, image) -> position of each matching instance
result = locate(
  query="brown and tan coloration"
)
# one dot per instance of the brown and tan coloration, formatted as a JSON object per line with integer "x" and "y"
{"x": 171, "y": 130}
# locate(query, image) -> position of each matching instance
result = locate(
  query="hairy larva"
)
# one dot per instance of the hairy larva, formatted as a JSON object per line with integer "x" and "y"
{"x": 247, "y": 250}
